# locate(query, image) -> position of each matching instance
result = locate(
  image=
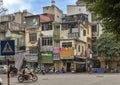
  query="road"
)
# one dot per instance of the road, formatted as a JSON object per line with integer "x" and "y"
{"x": 69, "y": 79}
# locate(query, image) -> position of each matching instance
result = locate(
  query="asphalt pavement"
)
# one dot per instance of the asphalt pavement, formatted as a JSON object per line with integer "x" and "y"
{"x": 69, "y": 79}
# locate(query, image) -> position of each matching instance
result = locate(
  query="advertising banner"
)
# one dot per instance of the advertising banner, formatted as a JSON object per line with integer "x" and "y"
{"x": 56, "y": 57}
{"x": 56, "y": 50}
{"x": 46, "y": 57}
{"x": 67, "y": 53}
{"x": 31, "y": 57}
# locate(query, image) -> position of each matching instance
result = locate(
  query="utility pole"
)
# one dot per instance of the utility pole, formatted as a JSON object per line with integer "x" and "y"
{"x": 2, "y": 12}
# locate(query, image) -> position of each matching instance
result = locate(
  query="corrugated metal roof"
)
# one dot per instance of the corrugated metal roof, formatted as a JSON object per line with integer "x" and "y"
{"x": 46, "y": 18}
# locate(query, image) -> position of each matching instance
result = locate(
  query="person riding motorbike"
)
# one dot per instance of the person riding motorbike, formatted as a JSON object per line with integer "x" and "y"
{"x": 27, "y": 74}
{"x": 27, "y": 71}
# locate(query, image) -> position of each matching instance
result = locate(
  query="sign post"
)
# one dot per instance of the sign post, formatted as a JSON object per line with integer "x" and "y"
{"x": 7, "y": 49}
{"x": 8, "y": 72}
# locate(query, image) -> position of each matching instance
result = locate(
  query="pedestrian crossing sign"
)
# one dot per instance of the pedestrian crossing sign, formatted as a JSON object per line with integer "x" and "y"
{"x": 7, "y": 47}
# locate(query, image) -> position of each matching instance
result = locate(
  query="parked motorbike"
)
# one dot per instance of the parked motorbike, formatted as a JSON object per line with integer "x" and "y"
{"x": 22, "y": 77}
{"x": 43, "y": 72}
{"x": 38, "y": 70}
{"x": 12, "y": 73}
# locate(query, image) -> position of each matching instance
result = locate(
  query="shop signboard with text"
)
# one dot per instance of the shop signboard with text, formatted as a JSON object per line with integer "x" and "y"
{"x": 56, "y": 53}
{"x": 31, "y": 57}
{"x": 67, "y": 53}
{"x": 56, "y": 50}
{"x": 46, "y": 57}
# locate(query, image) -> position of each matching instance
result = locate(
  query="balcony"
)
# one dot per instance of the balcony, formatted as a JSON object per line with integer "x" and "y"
{"x": 74, "y": 35}
{"x": 12, "y": 26}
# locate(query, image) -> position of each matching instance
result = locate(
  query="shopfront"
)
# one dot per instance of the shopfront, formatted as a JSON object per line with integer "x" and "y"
{"x": 31, "y": 60}
{"x": 56, "y": 58}
{"x": 67, "y": 57}
{"x": 46, "y": 59}
{"x": 80, "y": 64}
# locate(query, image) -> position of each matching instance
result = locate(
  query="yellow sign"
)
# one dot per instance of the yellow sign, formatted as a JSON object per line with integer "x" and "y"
{"x": 67, "y": 53}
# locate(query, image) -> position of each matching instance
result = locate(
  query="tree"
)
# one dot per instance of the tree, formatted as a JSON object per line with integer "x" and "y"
{"x": 108, "y": 47}
{"x": 108, "y": 12}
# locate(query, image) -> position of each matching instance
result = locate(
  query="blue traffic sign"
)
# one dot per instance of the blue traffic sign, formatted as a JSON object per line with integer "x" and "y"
{"x": 8, "y": 47}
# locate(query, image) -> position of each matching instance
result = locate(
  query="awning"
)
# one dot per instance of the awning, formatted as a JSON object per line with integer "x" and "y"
{"x": 31, "y": 57}
{"x": 80, "y": 57}
{"x": 80, "y": 62}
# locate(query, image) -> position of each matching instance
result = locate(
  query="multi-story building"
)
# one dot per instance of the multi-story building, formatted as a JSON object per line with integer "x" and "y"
{"x": 80, "y": 7}
{"x": 44, "y": 36}
{"x": 96, "y": 28}
{"x": 73, "y": 39}
{"x": 53, "y": 34}
{"x": 14, "y": 24}
{"x": 53, "y": 9}
{"x": 96, "y": 32}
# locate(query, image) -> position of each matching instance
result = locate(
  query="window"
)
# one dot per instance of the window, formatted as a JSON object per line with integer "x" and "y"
{"x": 82, "y": 49}
{"x": 72, "y": 25}
{"x": 73, "y": 35}
{"x": 70, "y": 30}
{"x": 64, "y": 26}
{"x": 75, "y": 46}
{"x": 46, "y": 41}
{"x": 33, "y": 50}
{"x": 94, "y": 28}
{"x": 33, "y": 37}
{"x": 80, "y": 9}
{"x": 89, "y": 46}
{"x": 94, "y": 39}
{"x": 67, "y": 44}
{"x": 84, "y": 32}
{"x": 79, "y": 48}
{"x": 88, "y": 30}
{"x": 46, "y": 26}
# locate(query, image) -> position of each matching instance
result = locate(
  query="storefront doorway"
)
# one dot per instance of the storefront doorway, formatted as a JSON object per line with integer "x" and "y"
{"x": 68, "y": 67}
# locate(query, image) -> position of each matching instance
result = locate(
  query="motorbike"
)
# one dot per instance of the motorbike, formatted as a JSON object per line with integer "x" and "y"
{"x": 13, "y": 72}
{"x": 22, "y": 77}
{"x": 38, "y": 70}
{"x": 43, "y": 72}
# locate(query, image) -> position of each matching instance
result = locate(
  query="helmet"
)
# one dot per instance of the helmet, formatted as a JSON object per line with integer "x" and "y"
{"x": 26, "y": 66}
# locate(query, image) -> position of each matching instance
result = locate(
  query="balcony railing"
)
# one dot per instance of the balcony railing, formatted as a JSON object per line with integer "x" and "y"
{"x": 12, "y": 26}
{"x": 74, "y": 35}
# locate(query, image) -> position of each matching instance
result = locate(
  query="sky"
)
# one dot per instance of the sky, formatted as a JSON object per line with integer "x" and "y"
{"x": 35, "y": 6}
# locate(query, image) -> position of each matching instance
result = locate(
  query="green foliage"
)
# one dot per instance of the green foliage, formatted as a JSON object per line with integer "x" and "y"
{"x": 108, "y": 12}
{"x": 107, "y": 46}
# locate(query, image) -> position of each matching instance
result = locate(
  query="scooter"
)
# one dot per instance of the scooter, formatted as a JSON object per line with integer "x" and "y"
{"x": 22, "y": 77}
{"x": 43, "y": 72}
